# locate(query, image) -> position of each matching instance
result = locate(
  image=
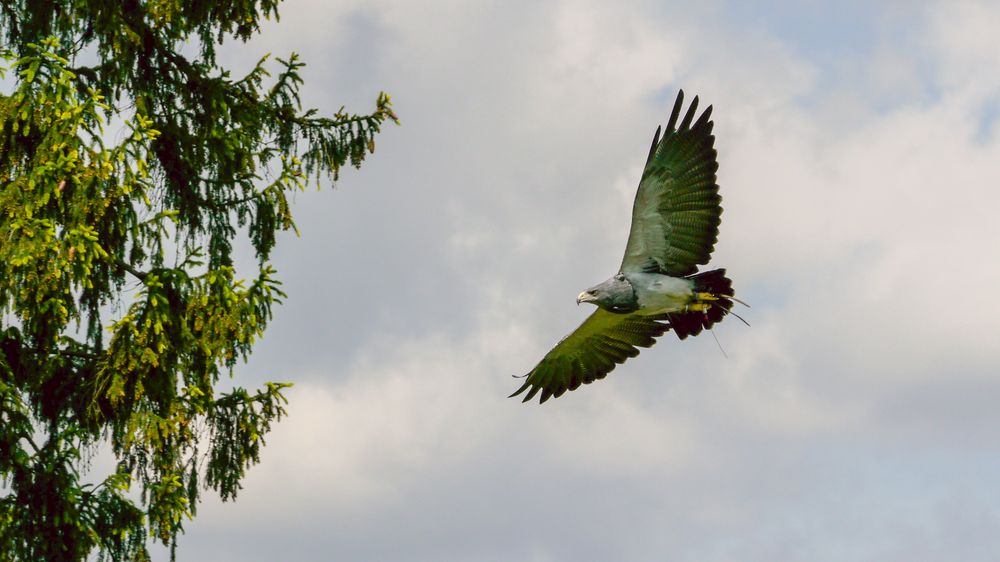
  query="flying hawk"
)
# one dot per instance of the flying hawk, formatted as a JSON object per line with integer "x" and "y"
{"x": 675, "y": 224}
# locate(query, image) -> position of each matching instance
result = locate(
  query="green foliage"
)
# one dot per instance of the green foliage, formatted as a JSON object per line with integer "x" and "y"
{"x": 123, "y": 185}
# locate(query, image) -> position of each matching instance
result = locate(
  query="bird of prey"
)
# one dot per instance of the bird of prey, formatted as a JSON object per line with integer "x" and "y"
{"x": 675, "y": 224}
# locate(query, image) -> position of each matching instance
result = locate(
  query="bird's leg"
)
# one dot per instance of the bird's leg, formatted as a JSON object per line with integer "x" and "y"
{"x": 702, "y": 302}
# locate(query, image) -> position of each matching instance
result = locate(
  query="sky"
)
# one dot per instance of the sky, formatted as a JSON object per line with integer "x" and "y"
{"x": 855, "y": 420}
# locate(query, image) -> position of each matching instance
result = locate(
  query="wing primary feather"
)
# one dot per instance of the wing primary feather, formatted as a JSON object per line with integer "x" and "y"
{"x": 532, "y": 393}
{"x": 675, "y": 113}
{"x": 703, "y": 119}
{"x": 689, "y": 116}
{"x": 546, "y": 394}
{"x": 520, "y": 390}
{"x": 652, "y": 148}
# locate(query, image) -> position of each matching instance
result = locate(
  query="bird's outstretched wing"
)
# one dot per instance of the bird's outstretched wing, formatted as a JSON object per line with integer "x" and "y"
{"x": 675, "y": 217}
{"x": 603, "y": 341}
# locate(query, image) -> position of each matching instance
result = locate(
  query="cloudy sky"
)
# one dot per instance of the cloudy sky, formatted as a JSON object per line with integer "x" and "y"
{"x": 857, "y": 419}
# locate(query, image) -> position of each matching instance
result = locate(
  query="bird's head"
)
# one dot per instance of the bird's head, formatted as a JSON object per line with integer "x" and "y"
{"x": 615, "y": 295}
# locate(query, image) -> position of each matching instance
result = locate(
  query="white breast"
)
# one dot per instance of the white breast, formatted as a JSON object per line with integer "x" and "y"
{"x": 661, "y": 293}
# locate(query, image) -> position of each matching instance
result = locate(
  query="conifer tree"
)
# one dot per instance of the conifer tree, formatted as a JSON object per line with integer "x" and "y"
{"x": 130, "y": 163}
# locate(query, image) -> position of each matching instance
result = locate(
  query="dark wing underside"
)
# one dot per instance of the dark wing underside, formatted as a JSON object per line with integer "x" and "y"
{"x": 593, "y": 350}
{"x": 675, "y": 217}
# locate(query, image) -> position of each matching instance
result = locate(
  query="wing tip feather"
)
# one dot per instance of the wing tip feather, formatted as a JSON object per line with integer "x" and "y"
{"x": 652, "y": 147}
{"x": 689, "y": 116}
{"x": 675, "y": 113}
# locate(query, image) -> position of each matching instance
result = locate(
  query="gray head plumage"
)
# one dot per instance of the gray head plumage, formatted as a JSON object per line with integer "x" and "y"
{"x": 614, "y": 295}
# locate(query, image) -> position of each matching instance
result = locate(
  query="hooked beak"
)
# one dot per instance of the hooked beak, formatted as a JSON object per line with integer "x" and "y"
{"x": 585, "y": 297}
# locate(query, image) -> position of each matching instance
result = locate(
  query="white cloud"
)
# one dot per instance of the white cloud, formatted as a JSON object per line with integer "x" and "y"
{"x": 961, "y": 34}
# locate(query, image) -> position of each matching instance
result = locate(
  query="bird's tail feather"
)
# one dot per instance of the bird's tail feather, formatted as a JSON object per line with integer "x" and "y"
{"x": 707, "y": 311}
